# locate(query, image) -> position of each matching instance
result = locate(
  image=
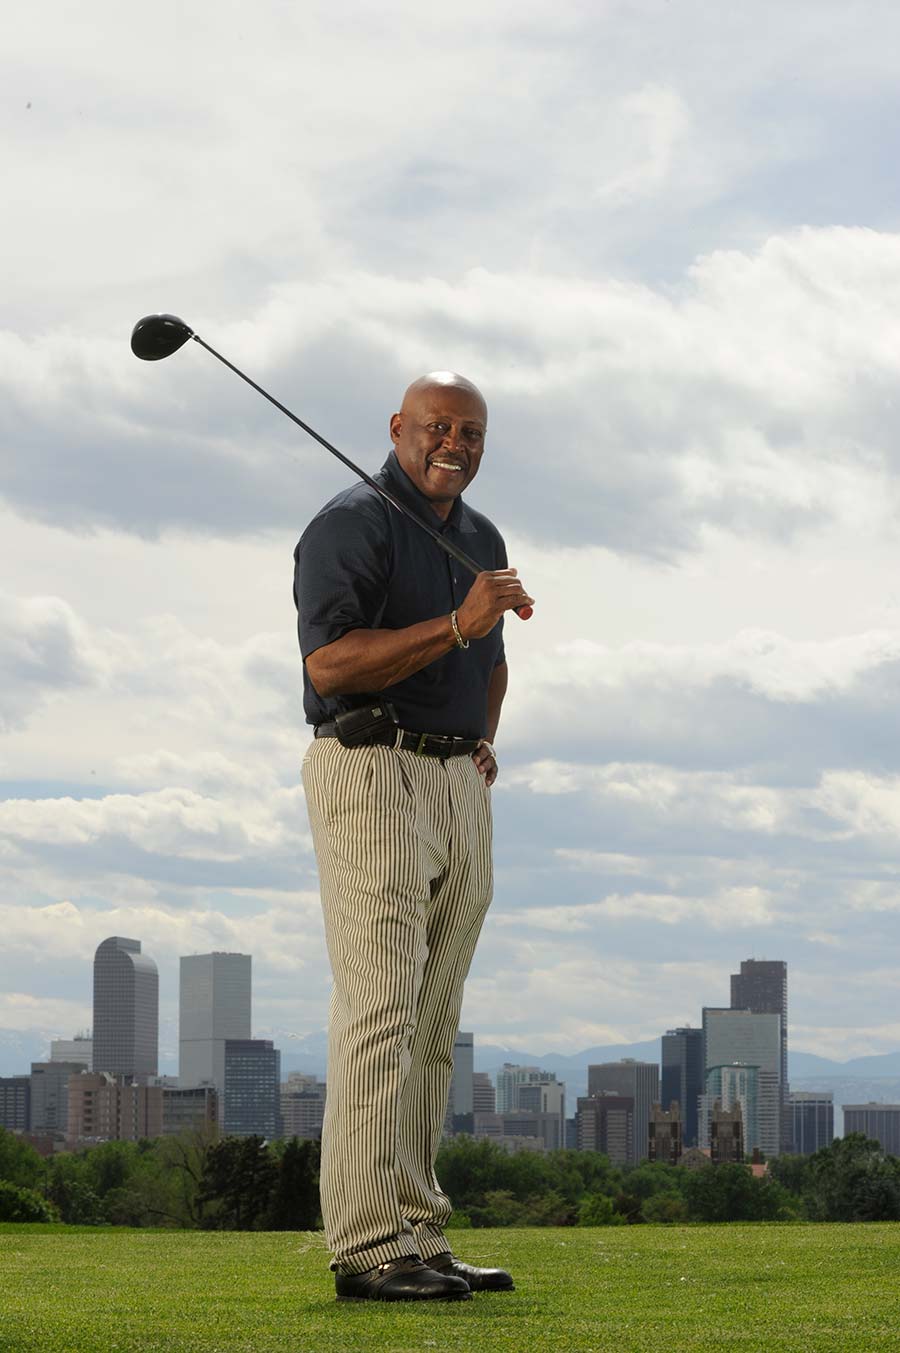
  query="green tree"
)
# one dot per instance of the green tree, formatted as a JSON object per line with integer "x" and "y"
{"x": 854, "y": 1180}
{"x": 549, "y": 1209}
{"x": 68, "y": 1189}
{"x": 598, "y": 1209}
{"x": 664, "y": 1207}
{"x": 182, "y": 1160}
{"x": 19, "y": 1162}
{"x": 239, "y": 1175}
{"x": 792, "y": 1172}
{"x": 111, "y": 1165}
{"x": 294, "y": 1203}
{"x": 18, "y": 1204}
{"x": 499, "y": 1208}
{"x": 470, "y": 1169}
{"x": 652, "y": 1177}
{"x": 730, "y": 1192}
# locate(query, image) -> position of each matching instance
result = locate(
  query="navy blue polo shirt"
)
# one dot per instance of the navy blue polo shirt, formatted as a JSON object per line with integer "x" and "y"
{"x": 360, "y": 564}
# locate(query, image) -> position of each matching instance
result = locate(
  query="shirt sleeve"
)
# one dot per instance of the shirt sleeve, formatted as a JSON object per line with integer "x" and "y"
{"x": 342, "y": 566}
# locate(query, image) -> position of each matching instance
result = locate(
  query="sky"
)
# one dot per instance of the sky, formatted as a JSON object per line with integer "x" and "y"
{"x": 664, "y": 240}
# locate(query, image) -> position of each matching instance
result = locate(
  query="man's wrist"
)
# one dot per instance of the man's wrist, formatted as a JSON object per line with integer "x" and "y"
{"x": 457, "y": 636}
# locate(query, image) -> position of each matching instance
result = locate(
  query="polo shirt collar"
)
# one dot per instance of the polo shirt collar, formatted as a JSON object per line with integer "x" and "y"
{"x": 399, "y": 482}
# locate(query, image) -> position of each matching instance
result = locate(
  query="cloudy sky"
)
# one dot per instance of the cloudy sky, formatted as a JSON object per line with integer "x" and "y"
{"x": 664, "y": 238}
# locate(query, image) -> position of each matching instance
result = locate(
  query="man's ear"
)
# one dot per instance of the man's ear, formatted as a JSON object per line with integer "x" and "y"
{"x": 396, "y": 426}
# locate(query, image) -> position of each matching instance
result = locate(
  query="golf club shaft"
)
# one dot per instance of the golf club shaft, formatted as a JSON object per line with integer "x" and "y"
{"x": 524, "y": 612}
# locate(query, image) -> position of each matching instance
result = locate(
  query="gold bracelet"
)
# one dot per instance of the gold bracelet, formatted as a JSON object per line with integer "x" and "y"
{"x": 460, "y": 641}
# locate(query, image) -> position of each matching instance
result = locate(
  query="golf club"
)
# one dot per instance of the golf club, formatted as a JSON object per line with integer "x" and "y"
{"x": 158, "y": 336}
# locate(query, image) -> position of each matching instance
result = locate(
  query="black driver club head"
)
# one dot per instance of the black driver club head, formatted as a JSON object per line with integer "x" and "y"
{"x": 157, "y": 336}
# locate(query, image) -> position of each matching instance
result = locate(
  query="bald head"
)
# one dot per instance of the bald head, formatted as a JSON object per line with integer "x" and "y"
{"x": 438, "y": 436}
{"x": 443, "y": 380}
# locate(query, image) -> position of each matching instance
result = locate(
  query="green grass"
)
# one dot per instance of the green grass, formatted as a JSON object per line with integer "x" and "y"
{"x": 667, "y": 1289}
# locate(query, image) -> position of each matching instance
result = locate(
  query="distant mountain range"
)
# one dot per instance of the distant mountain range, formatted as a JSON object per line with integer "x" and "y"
{"x": 308, "y": 1052}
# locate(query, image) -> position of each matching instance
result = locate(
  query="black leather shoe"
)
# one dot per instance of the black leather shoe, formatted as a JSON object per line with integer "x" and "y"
{"x": 478, "y": 1279}
{"x": 406, "y": 1279}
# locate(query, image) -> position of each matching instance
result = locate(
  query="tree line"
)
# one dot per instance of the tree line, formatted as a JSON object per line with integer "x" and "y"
{"x": 195, "y": 1181}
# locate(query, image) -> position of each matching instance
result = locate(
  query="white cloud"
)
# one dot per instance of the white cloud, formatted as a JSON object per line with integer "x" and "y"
{"x": 732, "y": 909}
{"x": 676, "y": 273}
{"x": 651, "y": 123}
{"x": 44, "y": 649}
{"x": 23, "y": 1010}
{"x": 179, "y": 823}
{"x": 866, "y": 805}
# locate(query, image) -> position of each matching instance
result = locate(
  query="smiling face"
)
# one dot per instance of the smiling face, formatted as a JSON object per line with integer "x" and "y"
{"x": 438, "y": 436}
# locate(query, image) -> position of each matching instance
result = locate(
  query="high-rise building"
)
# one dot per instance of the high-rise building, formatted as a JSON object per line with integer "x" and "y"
{"x": 460, "y": 1104}
{"x": 102, "y": 1108}
{"x": 77, "y": 1049}
{"x": 522, "y": 1125}
{"x": 50, "y": 1095}
{"x": 484, "y": 1096}
{"x": 881, "y": 1122}
{"x": 812, "y": 1116}
{"x": 192, "y": 1109}
{"x": 605, "y": 1123}
{"x": 761, "y": 986}
{"x": 638, "y": 1081}
{"x": 547, "y": 1099}
{"x": 683, "y": 1078}
{"x": 252, "y": 1088}
{"x": 726, "y": 1134}
{"x": 126, "y": 1010}
{"x": 664, "y": 1141}
{"x": 727, "y": 1087}
{"x": 214, "y": 998}
{"x": 15, "y": 1103}
{"x": 463, "y": 1071}
{"x": 511, "y": 1076}
{"x": 742, "y": 1038}
{"x": 302, "y": 1106}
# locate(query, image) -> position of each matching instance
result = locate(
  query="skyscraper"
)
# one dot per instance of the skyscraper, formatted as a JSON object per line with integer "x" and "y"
{"x": 638, "y": 1081}
{"x": 50, "y": 1095}
{"x": 728, "y": 1087}
{"x": 213, "y": 1006}
{"x": 77, "y": 1049}
{"x": 252, "y": 1088}
{"x": 463, "y": 1073}
{"x": 511, "y": 1076}
{"x": 126, "y": 1010}
{"x": 740, "y": 1038}
{"x": 683, "y": 1076}
{"x": 880, "y": 1122}
{"x": 15, "y": 1103}
{"x": 484, "y": 1096}
{"x": 812, "y": 1115}
{"x": 761, "y": 986}
{"x": 605, "y": 1123}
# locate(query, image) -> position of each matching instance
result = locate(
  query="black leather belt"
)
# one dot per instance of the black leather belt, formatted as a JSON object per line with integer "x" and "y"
{"x": 423, "y": 744}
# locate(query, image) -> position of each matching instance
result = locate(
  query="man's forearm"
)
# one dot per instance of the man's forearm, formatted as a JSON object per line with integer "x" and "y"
{"x": 372, "y": 660}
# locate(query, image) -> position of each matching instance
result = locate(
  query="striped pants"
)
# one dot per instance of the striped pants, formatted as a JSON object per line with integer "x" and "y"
{"x": 403, "y": 844}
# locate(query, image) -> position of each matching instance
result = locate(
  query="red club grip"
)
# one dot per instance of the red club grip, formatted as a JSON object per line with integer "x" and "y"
{"x": 524, "y": 612}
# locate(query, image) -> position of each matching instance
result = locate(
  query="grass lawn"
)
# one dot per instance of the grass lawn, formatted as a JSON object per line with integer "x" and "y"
{"x": 761, "y": 1287}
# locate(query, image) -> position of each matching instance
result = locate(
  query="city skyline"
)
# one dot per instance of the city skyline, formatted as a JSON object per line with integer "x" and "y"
{"x": 169, "y": 1049}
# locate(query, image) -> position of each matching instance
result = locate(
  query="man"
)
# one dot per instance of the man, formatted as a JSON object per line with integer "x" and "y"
{"x": 401, "y": 823}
